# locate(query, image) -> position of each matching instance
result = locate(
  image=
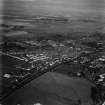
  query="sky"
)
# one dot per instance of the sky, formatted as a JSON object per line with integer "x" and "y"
{"x": 57, "y": 7}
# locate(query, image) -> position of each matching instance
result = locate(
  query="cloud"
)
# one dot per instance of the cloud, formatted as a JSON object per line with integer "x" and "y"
{"x": 63, "y": 7}
{"x": 28, "y": 0}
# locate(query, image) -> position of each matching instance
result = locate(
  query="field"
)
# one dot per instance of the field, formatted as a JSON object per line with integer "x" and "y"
{"x": 72, "y": 27}
{"x": 53, "y": 89}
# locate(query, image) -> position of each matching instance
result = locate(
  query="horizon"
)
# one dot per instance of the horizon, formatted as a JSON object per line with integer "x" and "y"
{"x": 65, "y": 8}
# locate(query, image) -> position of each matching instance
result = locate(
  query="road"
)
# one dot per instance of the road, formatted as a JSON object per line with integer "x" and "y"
{"x": 3, "y": 53}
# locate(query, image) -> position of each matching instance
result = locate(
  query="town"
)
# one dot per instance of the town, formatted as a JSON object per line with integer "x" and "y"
{"x": 24, "y": 59}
